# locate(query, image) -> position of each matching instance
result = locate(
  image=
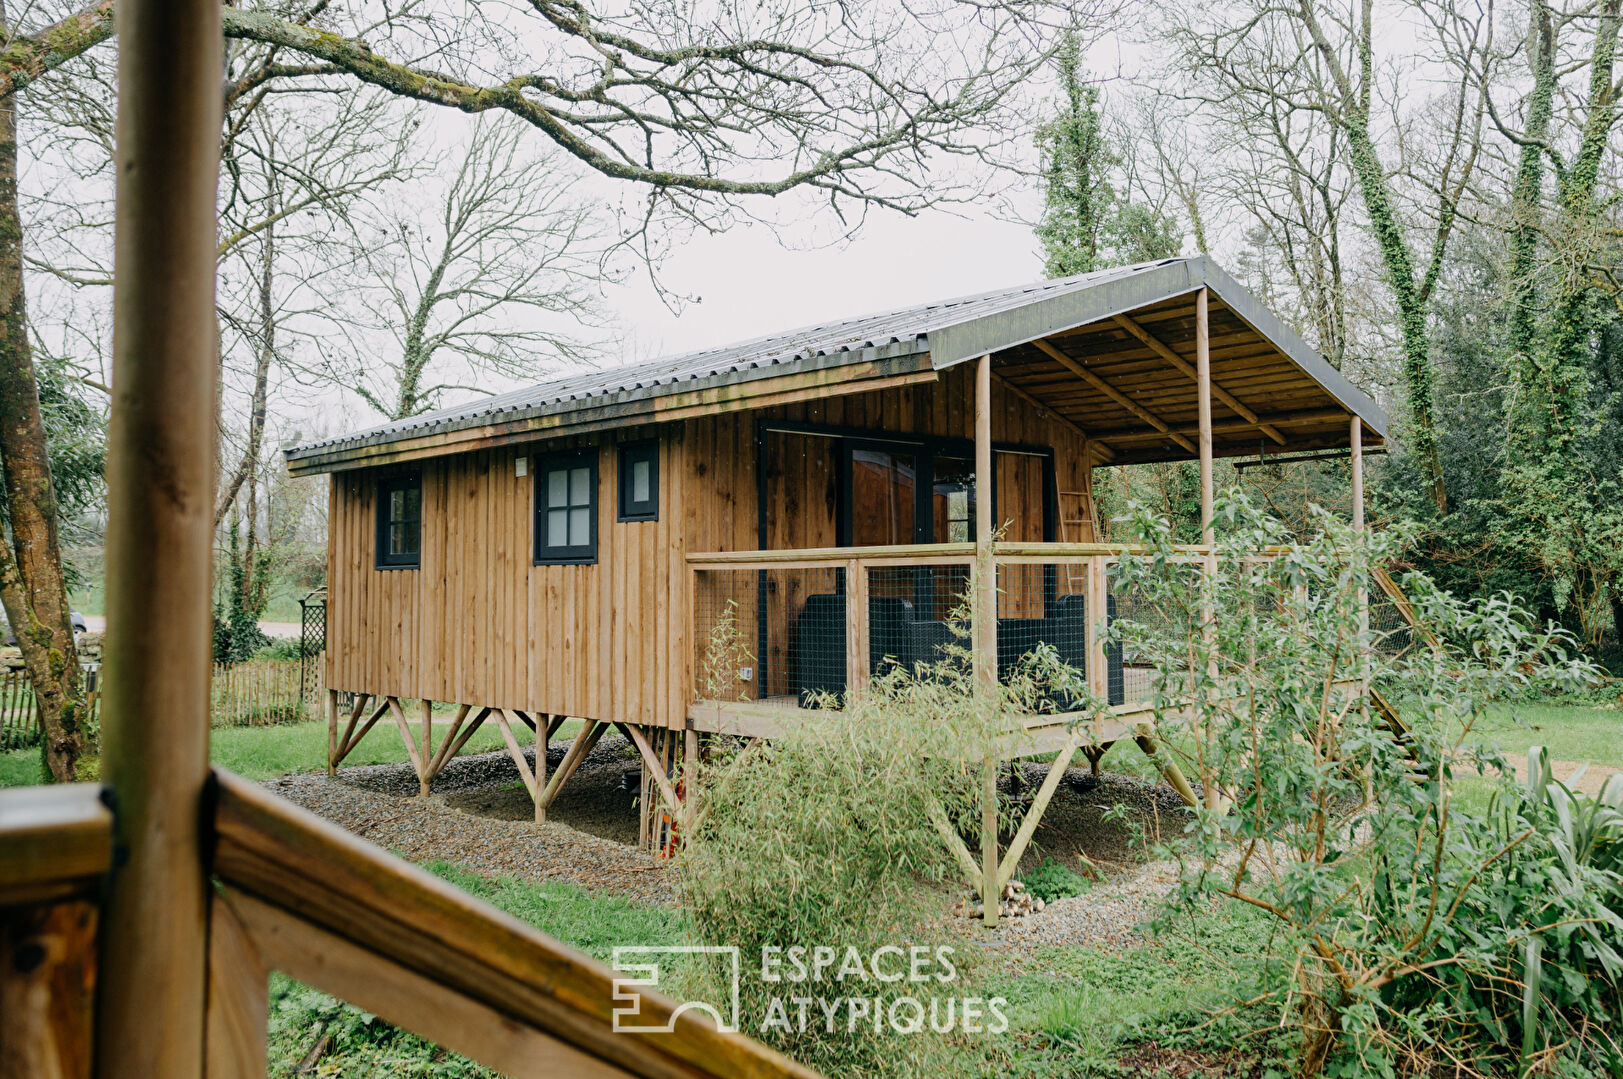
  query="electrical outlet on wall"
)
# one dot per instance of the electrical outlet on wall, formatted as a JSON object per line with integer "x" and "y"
{"x": 746, "y": 674}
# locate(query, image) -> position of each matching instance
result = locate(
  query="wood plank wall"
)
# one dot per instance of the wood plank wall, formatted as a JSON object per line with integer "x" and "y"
{"x": 478, "y": 624}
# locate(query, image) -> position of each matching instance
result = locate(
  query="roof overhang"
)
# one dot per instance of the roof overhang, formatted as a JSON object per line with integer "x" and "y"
{"x": 858, "y": 371}
{"x": 1075, "y": 346}
{"x": 1099, "y": 304}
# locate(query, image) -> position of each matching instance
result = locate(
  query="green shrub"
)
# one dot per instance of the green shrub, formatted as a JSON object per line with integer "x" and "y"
{"x": 1412, "y": 923}
{"x": 820, "y": 838}
{"x": 1051, "y": 881}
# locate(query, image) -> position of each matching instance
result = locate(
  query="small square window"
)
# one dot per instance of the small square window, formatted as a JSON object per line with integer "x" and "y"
{"x": 566, "y": 507}
{"x": 400, "y": 521}
{"x": 639, "y": 481}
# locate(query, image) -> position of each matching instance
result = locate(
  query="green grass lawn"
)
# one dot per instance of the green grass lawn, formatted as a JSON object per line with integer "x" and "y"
{"x": 267, "y": 752}
{"x": 1570, "y": 732}
{"x": 361, "y": 1044}
{"x": 1080, "y": 1008}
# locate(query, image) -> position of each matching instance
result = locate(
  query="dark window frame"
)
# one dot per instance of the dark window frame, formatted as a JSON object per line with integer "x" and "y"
{"x": 628, "y": 454}
{"x": 387, "y": 485}
{"x": 574, "y": 555}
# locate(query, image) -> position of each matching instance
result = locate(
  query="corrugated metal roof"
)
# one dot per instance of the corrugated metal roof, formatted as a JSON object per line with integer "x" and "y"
{"x": 882, "y": 334}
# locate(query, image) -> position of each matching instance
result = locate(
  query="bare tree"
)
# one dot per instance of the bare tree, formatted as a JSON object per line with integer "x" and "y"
{"x": 1286, "y": 60}
{"x": 497, "y": 281}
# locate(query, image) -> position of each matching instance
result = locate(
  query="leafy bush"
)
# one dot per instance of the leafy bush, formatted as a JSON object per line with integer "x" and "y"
{"x": 1054, "y": 881}
{"x": 821, "y": 837}
{"x": 1412, "y": 927}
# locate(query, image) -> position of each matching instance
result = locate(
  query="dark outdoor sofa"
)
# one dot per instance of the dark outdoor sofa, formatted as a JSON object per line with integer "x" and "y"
{"x": 896, "y": 636}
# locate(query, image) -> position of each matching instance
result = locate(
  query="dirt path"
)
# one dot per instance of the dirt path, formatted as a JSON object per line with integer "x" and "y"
{"x": 1592, "y": 779}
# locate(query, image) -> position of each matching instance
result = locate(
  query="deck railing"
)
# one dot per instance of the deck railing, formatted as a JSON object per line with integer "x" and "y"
{"x": 790, "y": 629}
{"x": 299, "y": 895}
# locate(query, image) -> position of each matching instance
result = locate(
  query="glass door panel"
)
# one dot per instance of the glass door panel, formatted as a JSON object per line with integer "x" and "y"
{"x": 884, "y": 489}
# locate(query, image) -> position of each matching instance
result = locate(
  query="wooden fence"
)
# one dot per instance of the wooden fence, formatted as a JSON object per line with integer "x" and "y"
{"x": 19, "y": 712}
{"x": 258, "y": 692}
{"x": 253, "y": 693}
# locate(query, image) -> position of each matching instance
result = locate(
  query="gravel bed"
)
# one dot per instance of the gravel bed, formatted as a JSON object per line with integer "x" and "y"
{"x": 378, "y": 803}
{"x": 479, "y": 817}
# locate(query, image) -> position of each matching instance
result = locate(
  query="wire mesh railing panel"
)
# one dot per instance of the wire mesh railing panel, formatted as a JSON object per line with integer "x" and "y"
{"x": 1047, "y": 604}
{"x": 916, "y": 617}
{"x": 773, "y": 635}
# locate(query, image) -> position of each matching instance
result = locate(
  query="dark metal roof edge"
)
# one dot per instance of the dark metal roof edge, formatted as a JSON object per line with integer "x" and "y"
{"x": 1248, "y": 307}
{"x": 334, "y": 451}
{"x": 1119, "y": 296}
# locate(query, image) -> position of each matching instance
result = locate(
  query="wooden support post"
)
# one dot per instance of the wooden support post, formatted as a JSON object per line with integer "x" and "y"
{"x": 656, "y": 767}
{"x": 1098, "y": 611}
{"x": 393, "y": 704}
{"x": 985, "y": 625}
{"x": 444, "y": 753}
{"x": 332, "y": 732}
{"x": 585, "y": 739}
{"x": 1034, "y": 815}
{"x": 1169, "y": 770}
{"x": 468, "y": 732}
{"x": 985, "y": 628}
{"x": 989, "y": 867}
{"x": 690, "y": 778}
{"x": 856, "y": 629}
{"x": 543, "y": 735}
{"x": 1203, "y": 398}
{"x": 955, "y": 844}
{"x": 425, "y": 774}
{"x": 161, "y": 472}
{"x": 504, "y": 723}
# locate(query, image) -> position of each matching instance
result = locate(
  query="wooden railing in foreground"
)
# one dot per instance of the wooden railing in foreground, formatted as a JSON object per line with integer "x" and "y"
{"x": 298, "y": 895}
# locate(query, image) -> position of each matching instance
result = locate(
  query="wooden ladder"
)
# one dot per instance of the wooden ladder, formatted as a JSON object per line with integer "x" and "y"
{"x": 1075, "y": 526}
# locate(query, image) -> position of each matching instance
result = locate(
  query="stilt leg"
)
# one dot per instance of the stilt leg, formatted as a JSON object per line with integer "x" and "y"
{"x": 1169, "y": 769}
{"x": 690, "y": 778}
{"x": 425, "y": 775}
{"x": 1093, "y": 754}
{"x": 332, "y": 732}
{"x": 989, "y": 888}
{"x": 543, "y": 734}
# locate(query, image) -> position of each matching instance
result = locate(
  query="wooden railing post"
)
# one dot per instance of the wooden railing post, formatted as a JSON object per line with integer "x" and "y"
{"x": 160, "y": 501}
{"x": 1356, "y": 461}
{"x": 857, "y": 629}
{"x": 1203, "y": 401}
{"x": 1098, "y": 607}
{"x": 985, "y": 628}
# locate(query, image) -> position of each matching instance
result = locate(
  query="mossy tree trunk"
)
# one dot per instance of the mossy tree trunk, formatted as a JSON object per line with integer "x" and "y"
{"x": 32, "y": 586}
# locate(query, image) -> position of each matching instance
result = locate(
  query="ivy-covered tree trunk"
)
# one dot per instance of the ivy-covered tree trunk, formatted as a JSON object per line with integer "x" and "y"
{"x": 1526, "y": 197}
{"x": 1418, "y": 376}
{"x": 1566, "y": 371}
{"x": 32, "y": 586}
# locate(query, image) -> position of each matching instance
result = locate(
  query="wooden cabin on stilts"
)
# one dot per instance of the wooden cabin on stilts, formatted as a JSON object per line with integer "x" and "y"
{"x": 140, "y": 921}
{"x": 572, "y": 549}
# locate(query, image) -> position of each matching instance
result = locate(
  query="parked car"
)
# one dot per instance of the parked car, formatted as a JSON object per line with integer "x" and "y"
{"x": 80, "y": 627}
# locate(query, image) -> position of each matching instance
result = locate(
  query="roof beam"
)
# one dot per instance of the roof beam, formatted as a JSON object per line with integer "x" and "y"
{"x": 1157, "y": 346}
{"x": 1096, "y": 445}
{"x": 1308, "y": 418}
{"x": 1114, "y": 394}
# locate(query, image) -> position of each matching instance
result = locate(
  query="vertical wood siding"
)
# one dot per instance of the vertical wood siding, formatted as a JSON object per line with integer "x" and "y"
{"x": 478, "y": 623}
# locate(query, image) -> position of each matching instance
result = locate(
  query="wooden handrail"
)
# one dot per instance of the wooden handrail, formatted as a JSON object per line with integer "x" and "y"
{"x": 315, "y": 872}
{"x": 930, "y": 554}
{"x": 55, "y": 842}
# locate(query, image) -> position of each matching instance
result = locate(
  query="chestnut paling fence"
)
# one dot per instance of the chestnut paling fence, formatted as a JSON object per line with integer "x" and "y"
{"x": 255, "y": 692}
